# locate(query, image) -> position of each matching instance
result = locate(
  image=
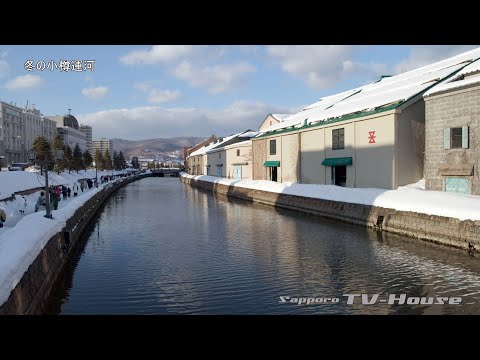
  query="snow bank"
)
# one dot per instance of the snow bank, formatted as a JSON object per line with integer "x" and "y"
{"x": 14, "y": 181}
{"x": 25, "y": 235}
{"x": 407, "y": 198}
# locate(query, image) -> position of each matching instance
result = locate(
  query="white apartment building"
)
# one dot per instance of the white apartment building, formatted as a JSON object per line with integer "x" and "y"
{"x": 36, "y": 125}
{"x": 87, "y": 130}
{"x": 12, "y": 134}
{"x": 49, "y": 129}
{"x": 103, "y": 144}
{"x": 68, "y": 129}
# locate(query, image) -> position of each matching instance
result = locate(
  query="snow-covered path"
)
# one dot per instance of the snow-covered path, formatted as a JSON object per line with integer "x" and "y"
{"x": 20, "y": 244}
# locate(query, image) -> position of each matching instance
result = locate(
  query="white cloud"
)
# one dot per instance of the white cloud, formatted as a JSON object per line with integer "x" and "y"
{"x": 155, "y": 121}
{"x": 194, "y": 65}
{"x": 95, "y": 93}
{"x": 25, "y": 82}
{"x": 421, "y": 55}
{"x": 164, "y": 96}
{"x": 217, "y": 78}
{"x": 157, "y": 54}
{"x": 143, "y": 86}
{"x": 4, "y": 68}
{"x": 88, "y": 79}
{"x": 321, "y": 66}
{"x": 157, "y": 95}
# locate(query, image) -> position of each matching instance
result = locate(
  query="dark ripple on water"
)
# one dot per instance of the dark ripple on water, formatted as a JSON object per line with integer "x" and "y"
{"x": 160, "y": 247}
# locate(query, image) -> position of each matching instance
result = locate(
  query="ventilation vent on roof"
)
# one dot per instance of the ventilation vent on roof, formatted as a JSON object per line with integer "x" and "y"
{"x": 429, "y": 81}
{"x": 381, "y": 78}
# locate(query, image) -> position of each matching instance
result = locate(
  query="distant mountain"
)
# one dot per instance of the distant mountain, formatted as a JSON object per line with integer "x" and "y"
{"x": 161, "y": 148}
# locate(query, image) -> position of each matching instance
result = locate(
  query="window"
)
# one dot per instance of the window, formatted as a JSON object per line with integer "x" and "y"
{"x": 238, "y": 152}
{"x": 273, "y": 147}
{"x": 219, "y": 155}
{"x": 455, "y": 138}
{"x": 338, "y": 139}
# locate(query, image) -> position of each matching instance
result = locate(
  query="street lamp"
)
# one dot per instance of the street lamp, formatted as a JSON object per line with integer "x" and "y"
{"x": 32, "y": 156}
{"x": 96, "y": 174}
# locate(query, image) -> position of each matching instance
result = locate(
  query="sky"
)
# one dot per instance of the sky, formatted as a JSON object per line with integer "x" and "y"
{"x": 143, "y": 92}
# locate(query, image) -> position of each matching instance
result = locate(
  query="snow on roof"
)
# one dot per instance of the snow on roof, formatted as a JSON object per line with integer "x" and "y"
{"x": 215, "y": 145}
{"x": 203, "y": 149}
{"x": 388, "y": 91}
{"x": 241, "y": 143}
{"x": 248, "y": 134}
{"x": 459, "y": 79}
{"x": 280, "y": 117}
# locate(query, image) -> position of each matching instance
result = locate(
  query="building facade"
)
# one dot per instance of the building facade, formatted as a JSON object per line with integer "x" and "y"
{"x": 33, "y": 126}
{"x": 49, "y": 129}
{"x": 68, "y": 129}
{"x": 452, "y": 151}
{"x": 272, "y": 119}
{"x": 12, "y": 134}
{"x": 71, "y": 137}
{"x": 375, "y": 151}
{"x": 87, "y": 130}
{"x": 37, "y": 125}
{"x": 238, "y": 160}
{"x": 372, "y": 136}
{"x": 102, "y": 144}
{"x": 208, "y": 160}
{"x": 216, "y": 162}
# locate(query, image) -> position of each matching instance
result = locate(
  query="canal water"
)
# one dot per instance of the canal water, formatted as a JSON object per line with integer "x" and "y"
{"x": 162, "y": 247}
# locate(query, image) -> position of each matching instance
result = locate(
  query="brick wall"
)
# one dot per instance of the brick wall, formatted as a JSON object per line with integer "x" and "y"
{"x": 452, "y": 109}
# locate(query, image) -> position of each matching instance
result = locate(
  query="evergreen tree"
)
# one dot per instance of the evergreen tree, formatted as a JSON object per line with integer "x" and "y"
{"x": 107, "y": 160}
{"x": 68, "y": 158}
{"x": 59, "y": 145}
{"x": 99, "y": 159}
{"x": 77, "y": 158}
{"x": 116, "y": 165}
{"x": 42, "y": 148}
{"x": 121, "y": 161}
{"x": 87, "y": 159}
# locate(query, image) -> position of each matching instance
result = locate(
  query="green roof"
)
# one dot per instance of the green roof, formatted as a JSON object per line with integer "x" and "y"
{"x": 272, "y": 163}
{"x": 357, "y": 114}
{"x": 337, "y": 161}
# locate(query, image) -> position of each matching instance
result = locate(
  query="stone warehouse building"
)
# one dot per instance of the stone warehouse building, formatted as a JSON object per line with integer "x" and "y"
{"x": 371, "y": 136}
{"x": 211, "y": 159}
{"x": 452, "y": 151}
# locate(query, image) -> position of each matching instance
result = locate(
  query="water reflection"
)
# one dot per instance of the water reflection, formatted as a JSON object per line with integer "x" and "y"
{"x": 162, "y": 247}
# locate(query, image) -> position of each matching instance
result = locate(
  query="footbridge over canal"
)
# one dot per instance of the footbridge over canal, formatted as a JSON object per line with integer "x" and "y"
{"x": 173, "y": 172}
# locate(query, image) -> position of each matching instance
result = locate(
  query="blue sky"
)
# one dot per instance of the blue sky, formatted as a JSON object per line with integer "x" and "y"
{"x": 143, "y": 92}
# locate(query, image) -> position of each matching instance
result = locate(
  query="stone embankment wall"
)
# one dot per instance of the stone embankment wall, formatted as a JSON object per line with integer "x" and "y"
{"x": 438, "y": 229}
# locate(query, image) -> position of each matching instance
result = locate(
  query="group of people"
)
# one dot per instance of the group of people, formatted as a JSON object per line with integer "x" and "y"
{"x": 56, "y": 192}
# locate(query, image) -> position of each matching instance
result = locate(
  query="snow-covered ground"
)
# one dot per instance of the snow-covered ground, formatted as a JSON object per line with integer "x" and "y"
{"x": 24, "y": 235}
{"x": 411, "y": 197}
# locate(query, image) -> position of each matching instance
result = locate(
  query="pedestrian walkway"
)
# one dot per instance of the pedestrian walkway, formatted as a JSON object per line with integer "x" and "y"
{"x": 25, "y": 205}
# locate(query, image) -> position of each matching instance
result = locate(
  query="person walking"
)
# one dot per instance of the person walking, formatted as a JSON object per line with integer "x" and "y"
{"x": 64, "y": 192}
{"x": 69, "y": 191}
{"x": 58, "y": 192}
{"x": 3, "y": 217}
{"x": 75, "y": 189}
{"x": 40, "y": 201}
